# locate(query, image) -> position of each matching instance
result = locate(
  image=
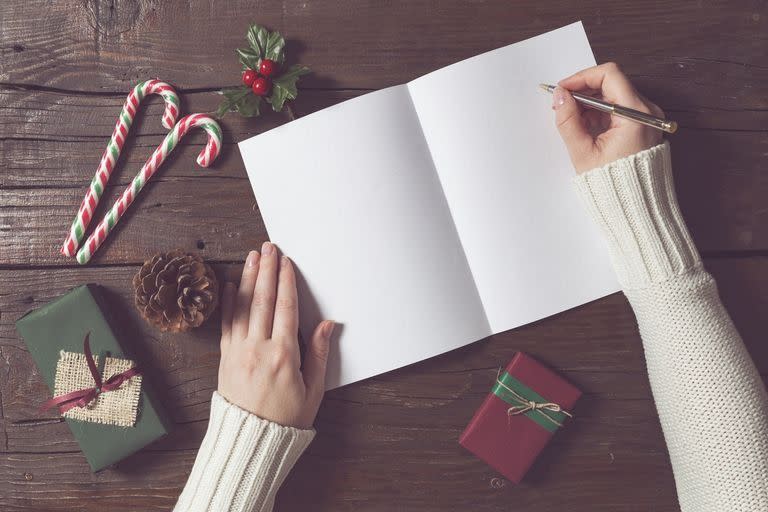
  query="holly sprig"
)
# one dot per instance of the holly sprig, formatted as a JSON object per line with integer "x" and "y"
{"x": 265, "y": 53}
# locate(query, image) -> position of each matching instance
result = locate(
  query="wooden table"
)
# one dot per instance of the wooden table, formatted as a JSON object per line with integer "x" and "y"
{"x": 389, "y": 443}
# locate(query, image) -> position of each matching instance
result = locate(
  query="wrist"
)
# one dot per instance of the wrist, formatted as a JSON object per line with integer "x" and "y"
{"x": 632, "y": 140}
{"x": 242, "y": 460}
{"x": 279, "y": 403}
{"x": 633, "y": 200}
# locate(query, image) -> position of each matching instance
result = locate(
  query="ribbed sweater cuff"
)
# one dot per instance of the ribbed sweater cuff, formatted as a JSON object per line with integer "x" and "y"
{"x": 242, "y": 461}
{"x": 633, "y": 200}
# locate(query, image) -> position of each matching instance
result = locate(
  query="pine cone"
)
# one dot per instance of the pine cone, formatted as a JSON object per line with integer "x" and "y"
{"x": 176, "y": 291}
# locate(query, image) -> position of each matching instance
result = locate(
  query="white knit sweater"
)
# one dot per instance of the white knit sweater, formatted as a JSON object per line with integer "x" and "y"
{"x": 712, "y": 404}
{"x": 242, "y": 461}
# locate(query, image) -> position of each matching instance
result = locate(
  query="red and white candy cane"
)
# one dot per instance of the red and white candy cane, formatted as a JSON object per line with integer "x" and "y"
{"x": 112, "y": 153}
{"x": 206, "y": 156}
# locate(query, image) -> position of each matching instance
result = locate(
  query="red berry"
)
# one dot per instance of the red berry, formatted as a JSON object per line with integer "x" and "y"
{"x": 267, "y": 67}
{"x": 261, "y": 86}
{"x": 249, "y": 76}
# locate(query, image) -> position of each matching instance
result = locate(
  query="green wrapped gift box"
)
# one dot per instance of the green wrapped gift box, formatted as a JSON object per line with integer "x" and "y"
{"x": 61, "y": 326}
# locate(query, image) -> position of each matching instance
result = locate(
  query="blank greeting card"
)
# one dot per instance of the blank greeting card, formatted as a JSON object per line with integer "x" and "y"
{"x": 423, "y": 220}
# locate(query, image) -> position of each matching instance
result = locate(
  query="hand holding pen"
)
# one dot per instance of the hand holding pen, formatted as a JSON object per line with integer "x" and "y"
{"x": 595, "y": 137}
{"x": 637, "y": 116}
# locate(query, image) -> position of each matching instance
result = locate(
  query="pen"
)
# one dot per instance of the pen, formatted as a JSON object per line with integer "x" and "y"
{"x": 664, "y": 125}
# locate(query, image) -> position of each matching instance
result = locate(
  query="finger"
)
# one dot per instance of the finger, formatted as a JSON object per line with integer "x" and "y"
{"x": 263, "y": 304}
{"x": 316, "y": 358}
{"x": 608, "y": 79}
{"x": 228, "y": 296}
{"x": 570, "y": 124}
{"x": 286, "y": 320}
{"x": 245, "y": 296}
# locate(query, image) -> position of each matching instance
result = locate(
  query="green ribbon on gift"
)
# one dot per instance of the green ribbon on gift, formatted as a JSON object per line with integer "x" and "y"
{"x": 526, "y": 401}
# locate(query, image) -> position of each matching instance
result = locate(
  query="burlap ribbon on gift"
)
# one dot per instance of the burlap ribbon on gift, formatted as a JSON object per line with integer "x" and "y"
{"x": 83, "y": 393}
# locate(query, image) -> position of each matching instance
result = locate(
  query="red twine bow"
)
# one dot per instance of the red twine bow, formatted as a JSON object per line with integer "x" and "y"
{"x": 83, "y": 397}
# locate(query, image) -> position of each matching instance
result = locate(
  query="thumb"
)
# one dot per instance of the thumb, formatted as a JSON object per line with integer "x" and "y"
{"x": 316, "y": 358}
{"x": 571, "y": 126}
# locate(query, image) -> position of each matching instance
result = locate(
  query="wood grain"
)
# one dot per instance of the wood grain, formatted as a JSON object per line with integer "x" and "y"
{"x": 388, "y": 443}
{"x": 372, "y": 44}
{"x": 322, "y": 480}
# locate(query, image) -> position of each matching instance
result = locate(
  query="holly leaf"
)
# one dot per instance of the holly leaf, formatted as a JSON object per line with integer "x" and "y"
{"x": 231, "y": 97}
{"x": 241, "y": 100}
{"x": 266, "y": 44}
{"x": 257, "y": 38}
{"x": 248, "y": 58}
{"x": 284, "y": 86}
{"x": 275, "y": 47}
{"x": 249, "y": 106}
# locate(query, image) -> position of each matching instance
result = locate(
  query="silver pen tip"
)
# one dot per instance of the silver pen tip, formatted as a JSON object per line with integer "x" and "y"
{"x": 548, "y": 88}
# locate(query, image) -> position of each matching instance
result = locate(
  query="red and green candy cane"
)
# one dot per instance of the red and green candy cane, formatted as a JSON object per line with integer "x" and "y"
{"x": 204, "y": 159}
{"x": 112, "y": 153}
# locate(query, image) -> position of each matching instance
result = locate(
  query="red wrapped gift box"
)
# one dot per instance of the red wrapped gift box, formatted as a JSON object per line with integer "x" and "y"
{"x": 519, "y": 416}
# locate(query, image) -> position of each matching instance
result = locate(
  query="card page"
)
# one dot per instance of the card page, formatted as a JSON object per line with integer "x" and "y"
{"x": 351, "y": 195}
{"x": 507, "y": 177}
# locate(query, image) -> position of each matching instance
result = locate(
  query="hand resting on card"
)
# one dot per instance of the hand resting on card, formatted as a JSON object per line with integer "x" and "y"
{"x": 260, "y": 368}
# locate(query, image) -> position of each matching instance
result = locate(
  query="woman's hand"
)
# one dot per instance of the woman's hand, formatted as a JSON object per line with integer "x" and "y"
{"x": 260, "y": 369}
{"x": 594, "y": 138}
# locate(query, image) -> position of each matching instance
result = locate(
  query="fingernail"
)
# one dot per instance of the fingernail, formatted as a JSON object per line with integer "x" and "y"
{"x": 284, "y": 261}
{"x": 328, "y": 328}
{"x": 266, "y": 249}
{"x": 253, "y": 258}
{"x": 558, "y": 97}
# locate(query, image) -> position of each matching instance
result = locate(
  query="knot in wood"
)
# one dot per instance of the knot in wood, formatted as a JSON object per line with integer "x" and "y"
{"x": 111, "y": 18}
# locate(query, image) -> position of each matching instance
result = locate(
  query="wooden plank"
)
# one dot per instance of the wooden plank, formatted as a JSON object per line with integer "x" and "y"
{"x": 711, "y": 50}
{"x": 424, "y": 469}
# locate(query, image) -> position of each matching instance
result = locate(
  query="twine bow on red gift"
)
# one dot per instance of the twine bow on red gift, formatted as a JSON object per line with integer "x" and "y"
{"x": 525, "y": 401}
{"x": 83, "y": 397}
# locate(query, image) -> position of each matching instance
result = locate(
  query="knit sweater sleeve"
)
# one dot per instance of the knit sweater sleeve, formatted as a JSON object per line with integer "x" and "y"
{"x": 711, "y": 401}
{"x": 242, "y": 462}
